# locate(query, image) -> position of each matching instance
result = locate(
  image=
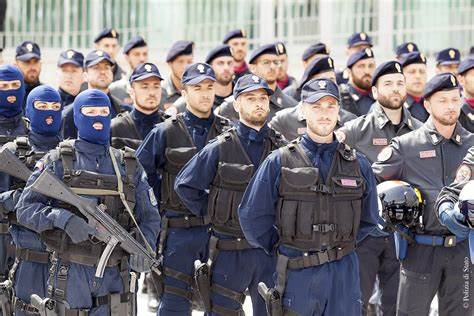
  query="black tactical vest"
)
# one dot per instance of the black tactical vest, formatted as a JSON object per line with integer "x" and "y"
{"x": 83, "y": 179}
{"x": 179, "y": 150}
{"x": 234, "y": 172}
{"x": 313, "y": 215}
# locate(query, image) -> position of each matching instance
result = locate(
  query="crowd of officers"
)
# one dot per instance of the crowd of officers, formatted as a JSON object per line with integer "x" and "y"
{"x": 243, "y": 180}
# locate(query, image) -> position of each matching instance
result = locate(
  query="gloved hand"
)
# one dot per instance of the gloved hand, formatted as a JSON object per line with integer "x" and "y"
{"x": 451, "y": 217}
{"x": 78, "y": 229}
{"x": 138, "y": 263}
{"x": 7, "y": 201}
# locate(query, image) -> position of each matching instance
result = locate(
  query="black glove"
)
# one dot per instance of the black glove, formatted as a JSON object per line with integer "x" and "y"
{"x": 78, "y": 229}
{"x": 138, "y": 263}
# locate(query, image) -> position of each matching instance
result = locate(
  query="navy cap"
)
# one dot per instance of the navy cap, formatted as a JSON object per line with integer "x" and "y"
{"x": 71, "y": 56}
{"x": 440, "y": 82}
{"x": 250, "y": 82}
{"x": 448, "y": 56}
{"x": 143, "y": 71}
{"x": 361, "y": 54}
{"x": 179, "y": 48}
{"x": 360, "y": 38}
{"x": 471, "y": 50}
{"x": 195, "y": 73}
{"x": 281, "y": 48}
{"x": 134, "y": 42}
{"x": 95, "y": 57}
{"x": 412, "y": 58}
{"x": 466, "y": 65}
{"x": 264, "y": 49}
{"x": 238, "y": 33}
{"x": 108, "y": 32}
{"x": 386, "y": 68}
{"x": 319, "y": 65}
{"x": 316, "y": 89}
{"x": 219, "y": 51}
{"x": 318, "y": 48}
{"x": 406, "y": 48}
{"x": 28, "y": 50}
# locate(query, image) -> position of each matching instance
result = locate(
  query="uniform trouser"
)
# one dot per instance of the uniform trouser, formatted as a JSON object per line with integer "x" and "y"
{"x": 30, "y": 278}
{"x": 428, "y": 270}
{"x": 82, "y": 286}
{"x": 183, "y": 247}
{"x": 329, "y": 289}
{"x": 241, "y": 269}
{"x": 377, "y": 257}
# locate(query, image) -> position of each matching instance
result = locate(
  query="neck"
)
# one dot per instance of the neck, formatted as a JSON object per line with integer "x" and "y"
{"x": 468, "y": 95}
{"x": 445, "y": 131}
{"x": 222, "y": 90}
{"x": 71, "y": 91}
{"x": 198, "y": 114}
{"x": 106, "y": 90}
{"x": 272, "y": 85}
{"x": 176, "y": 82}
{"x": 415, "y": 94}
{"x": 239, "y": 64}
{"x": 359, "y": 90}
{"x": 320, "y": 139}
{"x": 394, "y": 115}
{"x": 142, "y": 110}
{"x": 254, "y": 126}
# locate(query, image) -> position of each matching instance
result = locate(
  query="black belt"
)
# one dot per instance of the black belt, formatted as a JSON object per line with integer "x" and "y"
{"x": 319, "y": 258}
{"x": 106, "y": 299}
{"x": 32, "y": 255}
{"x": 233, "y": 244}
{"x": 87, "y": 260}
{"x": 187, "y": 221}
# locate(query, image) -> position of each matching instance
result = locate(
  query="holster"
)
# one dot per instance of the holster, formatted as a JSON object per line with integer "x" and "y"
{"x": 272, "y": 298}
{"x": 202, "y": 280}
{"x": 6, "y": 298}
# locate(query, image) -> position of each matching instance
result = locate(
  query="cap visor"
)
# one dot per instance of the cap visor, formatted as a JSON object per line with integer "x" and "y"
{"x": 315, "y": 97}
{"x": 449, "y": 62}
{"x": 253, "y": 88}
{"x": 361, "y": 43}
{"x": 199, "y": 79}
{"x": 28, "y": 56}
{"x": 67, "y": 61}
{"x": 146, "y": 76}
{"x": 98, "y": 60}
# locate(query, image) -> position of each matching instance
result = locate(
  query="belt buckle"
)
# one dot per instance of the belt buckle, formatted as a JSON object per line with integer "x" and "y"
{"x": 450, "y": 241}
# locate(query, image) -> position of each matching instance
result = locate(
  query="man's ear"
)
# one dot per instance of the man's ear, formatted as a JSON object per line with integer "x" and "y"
{"x": 374, "y": 92}
{"x": 236, "y": 105}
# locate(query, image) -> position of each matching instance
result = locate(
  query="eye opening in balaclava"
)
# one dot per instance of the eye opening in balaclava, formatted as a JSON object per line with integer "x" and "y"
{"x": 39, "y": 110}
{"x": 11, "y": 100}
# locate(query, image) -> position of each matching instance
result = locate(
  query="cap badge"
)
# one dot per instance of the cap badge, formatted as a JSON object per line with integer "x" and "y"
{"x": 242, "y": 31}
{"x": 330, "y": 62}
{"x": 453, "y": 80}
{"x": 200, "y": 67}
{"x": 410, "y": 47}
{"x": 280, "y": 48}
{"x": 397, "y": 66}
{"x": 423, "y": 58}
{"x": 69, "y": 54}
{"x": 114, "y": 33}
{"x": 100, "y": 53}
{"x": 148, "y": 67}
{"x": 322, "y": 84}
{"x": 255, "y": 79}
{"x": 368, "y": 52}
{"x": 452, "y": 53}
{"x": 29, "y": 47}
{"x": 363, "y": 36}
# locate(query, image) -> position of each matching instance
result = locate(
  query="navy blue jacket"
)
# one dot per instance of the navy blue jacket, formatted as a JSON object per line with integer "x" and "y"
{"x": 417, "y": 109}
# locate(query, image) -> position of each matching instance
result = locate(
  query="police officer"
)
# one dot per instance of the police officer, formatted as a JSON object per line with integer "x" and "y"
{"x": 414, "y": 69}
{"x": 314, "y": 51}
{"x": 369, "y": 134}
{"x": 237, "y": 39}
{"x": 405, "y": 48}
{"x": 290, "y": 122}
{"x": 221, "y": 60}
{"x": 284, "y": 80}
{"x": 466, "y": 78}
{"x": 439, "y": 145}
{"x": 224, "y": 168}
{"x": 70, "y": 75}
{"x": 447, "y": 60}
{"x": 136, "y": 53}
{"x": 129, "y": 129}
{"x": 356, "y": 42}
{"x": 264, "y": 63}
{"x": 317, "y": 267}
{"x": 179, "y": 56}
{"x": 166, "y": 149}
{"x": 28, "y": 60}
{"x": 90, "y": 165}
{"x": 98, "y": 74}
{"x": 361, "y": 65}
{"x": 108, "y": 41}
{"x": 30, "y": 271}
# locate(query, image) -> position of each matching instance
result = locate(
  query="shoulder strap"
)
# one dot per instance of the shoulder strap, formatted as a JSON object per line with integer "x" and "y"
{"x": 23, "y": 147}
{"x": 293, "y": 156}
{"x": 67, "y": 154}
{"x": 177, "y": 134}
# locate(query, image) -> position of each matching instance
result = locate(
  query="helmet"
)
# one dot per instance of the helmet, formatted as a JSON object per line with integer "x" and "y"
{"x": 466, "y": 202}
{"x": 400, "y": 203}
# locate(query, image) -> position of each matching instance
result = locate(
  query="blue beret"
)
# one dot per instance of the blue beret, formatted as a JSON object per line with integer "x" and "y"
{"x": 143, "y": 71}
{"x": 238, "y": 33}
{"x": 386, "y": 68}
{"x": 219, "y": 51}
{"x": 440, "y": 82}
{"x": 179, "y": 48}
{"x": 95, "y": 57}
{"x": 412, "y": 58}
{"x": 195, "y": 73}
{"x": 466, "y": 65}
{"x": 318, "y": 48}
{"x": 71, "y": 56}
{"x": 316, "y": 89}
{"x": 448, "y": 56}
{"x": 108, "y": 32}
{"x": 359, "y": 39}
{"x": 249, "y": 83}
{"x": 319, "y": 65}
{"x": 28, "y": 50}
{"x": 361, "y": 54}
{"x": 471, "y": 50}
{"x": 264, "y": 49}
{"x": 406, "y": 48}
{"x": 134, "y": 42}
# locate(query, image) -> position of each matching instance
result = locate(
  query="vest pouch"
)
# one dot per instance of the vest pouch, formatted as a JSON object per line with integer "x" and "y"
{"x": 177, "y": 157}
{"x": 348, "y": 187}
{"x": 305, "y": 219}
{"x": 88, "y": 179}
{"x": 298, "y": 181}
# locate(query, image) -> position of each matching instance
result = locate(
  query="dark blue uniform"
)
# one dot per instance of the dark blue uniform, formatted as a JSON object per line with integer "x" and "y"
{"x": 316, "y": 290}
{"x": 417, "y": 109}
{"x": 362, "y": 101}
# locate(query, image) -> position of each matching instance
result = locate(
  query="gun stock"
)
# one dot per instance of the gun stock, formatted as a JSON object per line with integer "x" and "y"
{"x": 10, "y": 164}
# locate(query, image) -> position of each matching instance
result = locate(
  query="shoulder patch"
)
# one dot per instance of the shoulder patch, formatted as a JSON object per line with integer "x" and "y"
{"x": 385, "y": 154}
{"x": 463, "y": 173}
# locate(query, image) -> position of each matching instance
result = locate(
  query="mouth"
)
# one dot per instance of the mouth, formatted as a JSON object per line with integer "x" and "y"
{"x": 49, "y": 120}
{"x": 98, "y": 126}
{"x": 11, "y": 99}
